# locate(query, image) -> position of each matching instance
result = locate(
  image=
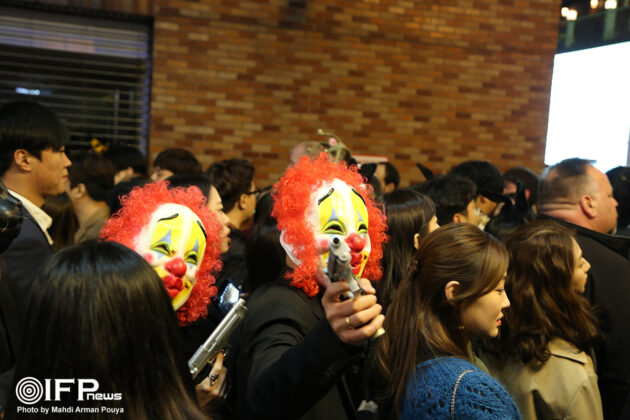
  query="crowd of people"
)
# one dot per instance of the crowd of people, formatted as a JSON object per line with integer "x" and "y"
{"x": 473, "y": 295}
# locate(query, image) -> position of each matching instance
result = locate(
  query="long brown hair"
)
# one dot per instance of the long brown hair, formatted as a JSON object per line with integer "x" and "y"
{"x": 539, "y": 286}
{"x": 421, "y": 323}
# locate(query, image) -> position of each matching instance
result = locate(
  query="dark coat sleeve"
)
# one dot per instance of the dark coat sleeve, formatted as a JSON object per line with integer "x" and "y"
{"x": 20, "y": 263}
{"x": 296, "y": 358}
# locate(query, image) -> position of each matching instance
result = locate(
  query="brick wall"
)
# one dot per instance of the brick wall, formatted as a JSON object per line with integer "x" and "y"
{"x": 418, "y": 81}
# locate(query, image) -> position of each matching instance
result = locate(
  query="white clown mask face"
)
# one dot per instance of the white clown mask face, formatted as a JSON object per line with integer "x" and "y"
{"x": 173, "y": 243}
{"x": 338, "y": 210}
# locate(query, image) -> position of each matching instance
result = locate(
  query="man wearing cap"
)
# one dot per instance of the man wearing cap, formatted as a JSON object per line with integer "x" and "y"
{"x": 489, "y": 182}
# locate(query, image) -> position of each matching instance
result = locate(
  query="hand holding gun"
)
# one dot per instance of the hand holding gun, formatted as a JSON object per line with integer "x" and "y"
{"x": 218, "y": 339}
{"x": 339, "y": 268}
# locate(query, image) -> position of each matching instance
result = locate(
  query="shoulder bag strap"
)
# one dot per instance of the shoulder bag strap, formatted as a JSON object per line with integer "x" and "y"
{"x": 459, "y": 378}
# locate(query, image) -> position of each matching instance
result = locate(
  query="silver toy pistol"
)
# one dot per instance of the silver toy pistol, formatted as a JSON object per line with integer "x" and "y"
{"x": 218, "y": 339}
{"x": 339, "y": 268}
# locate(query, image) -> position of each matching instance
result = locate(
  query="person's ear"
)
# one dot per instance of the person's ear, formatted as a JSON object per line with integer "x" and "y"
{"x": 451, "y": 290}
{"x": 416, "y": 241}
{"x": 242, "y": 202}
{"x": 458, "y": 218}
{"x": 78, "y": 191}
{"x": 23, "y": 159}
{"x": 588, "y": 205}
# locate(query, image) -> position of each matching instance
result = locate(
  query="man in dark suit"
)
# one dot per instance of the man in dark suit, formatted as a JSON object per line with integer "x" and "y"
{"x": 33, "y": 164}
{"x": 581, "y": 197}
{"x": 300, "y": 339}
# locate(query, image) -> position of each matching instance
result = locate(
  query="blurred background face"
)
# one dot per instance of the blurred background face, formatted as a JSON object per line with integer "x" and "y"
{"x": 250, "y": 203}
{"x": 160, "y": 173}
{"x": 215, "y": 205}
{"x": 606, "y": 203}
{"x": 580, "y": 270}
{"x": 469, "y": 215}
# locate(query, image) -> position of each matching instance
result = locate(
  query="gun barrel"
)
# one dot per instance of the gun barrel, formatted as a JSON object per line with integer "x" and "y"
{"x": 217, "y": 339}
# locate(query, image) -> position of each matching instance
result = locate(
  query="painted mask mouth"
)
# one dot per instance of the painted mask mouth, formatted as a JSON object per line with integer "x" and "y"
{"x": 174, "y": 285}
{"x": 355, "y": 261}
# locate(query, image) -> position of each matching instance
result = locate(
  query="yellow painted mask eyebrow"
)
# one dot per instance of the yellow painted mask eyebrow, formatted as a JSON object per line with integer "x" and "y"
{"x": 332, "y": 214}
{"x": 196, "y": 245}
{"x": 361, "y": 213}
{"x": 167, "y": 234}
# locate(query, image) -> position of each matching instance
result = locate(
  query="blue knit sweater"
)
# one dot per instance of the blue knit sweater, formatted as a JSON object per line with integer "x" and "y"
{"x": 479, "y": 396}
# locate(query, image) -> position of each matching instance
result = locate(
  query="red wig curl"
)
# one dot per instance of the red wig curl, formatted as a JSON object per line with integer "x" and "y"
{"x": 292, "y": 199}
{"x": 135, "y": 213}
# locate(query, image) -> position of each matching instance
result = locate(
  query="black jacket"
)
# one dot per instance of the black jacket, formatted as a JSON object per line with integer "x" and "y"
{"x": 20, "y": 265}
{"x": 289, "y": 362}
{"x": 608, "y": 288}
{"x": 234, "y": 267}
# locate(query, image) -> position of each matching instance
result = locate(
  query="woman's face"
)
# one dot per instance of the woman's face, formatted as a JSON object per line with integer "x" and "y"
{"x": 215, "y": 205}
{"x": 580, "y": 270}
{"x": 482, "y": 317}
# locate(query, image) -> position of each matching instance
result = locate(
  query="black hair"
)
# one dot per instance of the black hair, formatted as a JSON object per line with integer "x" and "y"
{"x": 107, "y": 305}
{"x": 264, "y": 255}
{"x": 232, "y": 178}
{"x": 619, "y": 178}
{"x": 178, "y": 161}
{"x": 451, "y": 194}
{"x": 93, "y": 171}
{"x": 486, "y": 176}
{"x": 122, "y": 189}
{"x": 264, "y": 205}
{"x": 408, "y": 212}
{"x": 377, "y": 189}
{"x": 391, "y": 174}
{"x": 527, "y": 177}
{"x": 200, "y": 181}
{"x": 30, "y": 126}
{"x": 123, "y": 157}
{"x": 367, "y": 170}
{"x": 512, "y": 215}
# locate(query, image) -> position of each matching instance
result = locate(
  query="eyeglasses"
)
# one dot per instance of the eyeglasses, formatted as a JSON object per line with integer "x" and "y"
{"x": 256, "y": 193}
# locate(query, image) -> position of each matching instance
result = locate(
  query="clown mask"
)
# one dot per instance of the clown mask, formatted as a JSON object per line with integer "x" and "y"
{"x": 174, "y": 243}
{"x": 338, "y": 210}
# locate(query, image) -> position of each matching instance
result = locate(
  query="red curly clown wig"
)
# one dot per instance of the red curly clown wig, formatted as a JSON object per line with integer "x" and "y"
{"x": 135, "y": 213}
{"x": 292, "y": 200}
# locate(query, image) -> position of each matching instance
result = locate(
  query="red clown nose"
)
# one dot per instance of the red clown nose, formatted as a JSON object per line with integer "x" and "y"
{"x": 176, "y": 266}
{"x": 355, "y": 242}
